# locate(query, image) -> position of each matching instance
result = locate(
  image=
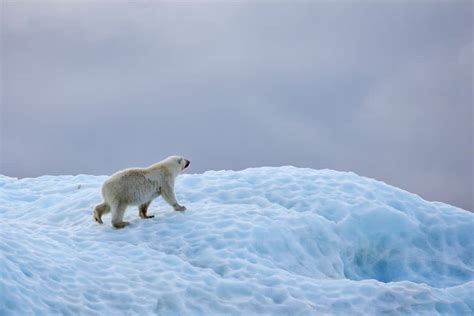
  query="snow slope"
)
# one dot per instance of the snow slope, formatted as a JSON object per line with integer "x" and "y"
{"x": 282, "y": 240}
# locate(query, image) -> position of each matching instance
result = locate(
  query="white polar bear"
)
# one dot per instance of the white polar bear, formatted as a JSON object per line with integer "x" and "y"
{"x": 139, "y": 186}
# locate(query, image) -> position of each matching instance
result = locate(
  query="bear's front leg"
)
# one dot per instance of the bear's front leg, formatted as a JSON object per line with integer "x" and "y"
{"x": 142, "y": 209}
{"x": 168, "y": 195}
{"x": 178, "y": 207}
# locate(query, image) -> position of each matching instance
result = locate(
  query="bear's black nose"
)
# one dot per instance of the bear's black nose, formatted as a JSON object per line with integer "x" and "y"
{"x": 187, "y": 163}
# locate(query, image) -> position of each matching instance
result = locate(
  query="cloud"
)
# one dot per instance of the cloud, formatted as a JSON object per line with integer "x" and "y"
{"x": 383, "y": 89}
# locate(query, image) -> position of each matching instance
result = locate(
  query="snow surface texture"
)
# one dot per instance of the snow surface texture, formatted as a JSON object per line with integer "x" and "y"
{"x": 259, "y": 241}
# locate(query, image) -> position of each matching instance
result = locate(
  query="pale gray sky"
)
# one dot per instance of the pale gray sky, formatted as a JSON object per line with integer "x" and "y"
{"x": 383, "y": 89}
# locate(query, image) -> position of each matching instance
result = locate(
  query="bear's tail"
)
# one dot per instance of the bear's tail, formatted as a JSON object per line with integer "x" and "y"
{"x": 100, "y": 210}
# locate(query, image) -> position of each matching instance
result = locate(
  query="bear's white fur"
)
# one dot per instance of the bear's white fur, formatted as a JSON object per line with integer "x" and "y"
{"x": 139, "y": 186}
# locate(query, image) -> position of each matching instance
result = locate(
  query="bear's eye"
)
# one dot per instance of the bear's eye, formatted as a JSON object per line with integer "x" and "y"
{"x": 180, "y": 160}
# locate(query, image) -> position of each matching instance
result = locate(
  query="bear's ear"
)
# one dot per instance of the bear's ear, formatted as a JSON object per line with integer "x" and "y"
{"x": 180, "y": 160}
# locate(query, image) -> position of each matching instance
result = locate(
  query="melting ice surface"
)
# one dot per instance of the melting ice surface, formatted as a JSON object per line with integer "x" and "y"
{"x": 283, "y": 240}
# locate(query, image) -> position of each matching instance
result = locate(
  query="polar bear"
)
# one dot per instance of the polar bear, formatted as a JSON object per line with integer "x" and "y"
{"x": 139, "y": 186}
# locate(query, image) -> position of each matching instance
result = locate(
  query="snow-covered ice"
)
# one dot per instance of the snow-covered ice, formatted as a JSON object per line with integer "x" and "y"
{"x": 285, "y": 241}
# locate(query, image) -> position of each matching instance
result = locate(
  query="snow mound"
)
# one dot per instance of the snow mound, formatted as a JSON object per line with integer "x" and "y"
{"x": 265, "y": 240}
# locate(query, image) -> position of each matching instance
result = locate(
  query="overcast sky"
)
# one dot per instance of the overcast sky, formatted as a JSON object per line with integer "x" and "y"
{"x": 383, "y": 89}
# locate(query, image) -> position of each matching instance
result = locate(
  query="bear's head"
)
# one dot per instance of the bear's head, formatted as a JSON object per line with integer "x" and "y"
{"x": 181, "y": 162}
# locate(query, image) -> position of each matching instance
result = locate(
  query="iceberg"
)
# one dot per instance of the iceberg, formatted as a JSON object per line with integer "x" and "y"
{"x": 270, "y": 240}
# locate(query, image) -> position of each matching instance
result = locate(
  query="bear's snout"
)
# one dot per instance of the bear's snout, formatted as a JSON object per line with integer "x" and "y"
{"x": 187, "y": 163}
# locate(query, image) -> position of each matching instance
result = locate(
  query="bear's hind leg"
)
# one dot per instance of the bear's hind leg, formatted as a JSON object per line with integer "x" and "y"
{"x": 100, "y": 210}
{"x": 142, "y": 209}
{"x": 118, "y": 211}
